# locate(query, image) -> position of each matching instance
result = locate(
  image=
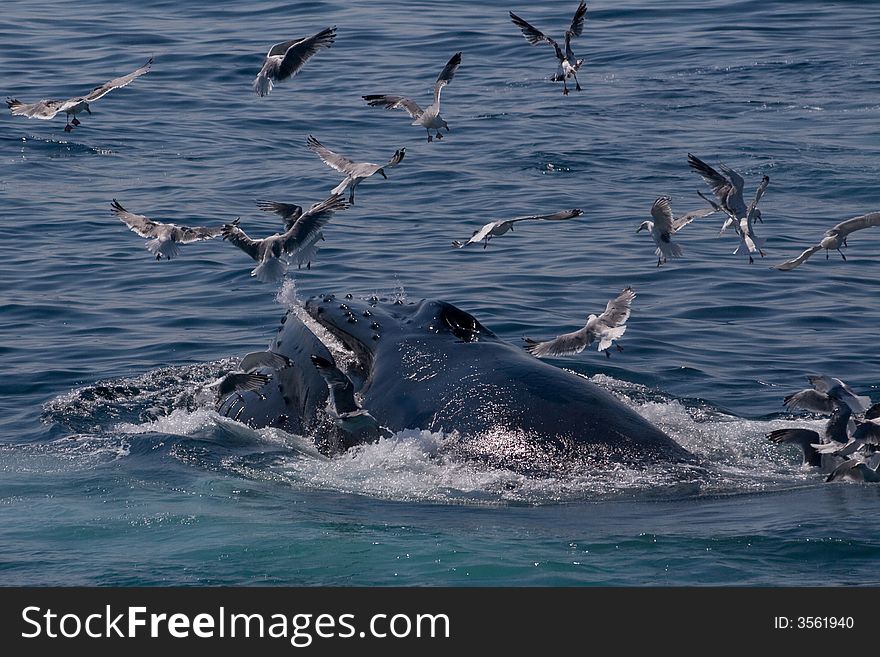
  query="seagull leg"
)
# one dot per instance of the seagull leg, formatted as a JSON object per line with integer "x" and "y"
{"x": 564, "y": 87}
{"x": 75, "y": 121}
{"x": 751, "y": 259}
{"x": 607, "y": 354}
{"x": 439, "y": 135}
{"x": 430, "y": 137}
{"x": 577, "y": 85}
{"x": 619, "y": 347}
{"x": 841, "y": 254}
{"x": 658, "y": 261}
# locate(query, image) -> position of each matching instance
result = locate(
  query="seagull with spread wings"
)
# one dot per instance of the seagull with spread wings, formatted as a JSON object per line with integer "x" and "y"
{"x": 47, "y": 109}
{"x": 606, "y": 328}
{"x": 496, "y": 228}
{"x": 569, "y": 65}
{"x": 665, "y": 225}
{"x": 355, "y": 172}
{"x": 270, "y": 252}
{"x": 429, "y": 118}
{"x": 834, "y": 238}
{"x": 163, "y": 238}
{"x": 287, "y": 58}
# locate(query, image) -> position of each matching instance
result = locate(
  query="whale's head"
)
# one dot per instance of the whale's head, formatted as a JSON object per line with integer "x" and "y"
{"x": 363, "y": 325}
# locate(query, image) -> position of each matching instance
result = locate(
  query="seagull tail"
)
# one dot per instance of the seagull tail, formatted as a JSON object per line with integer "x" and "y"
{"x": 262, "y": 85}
{"x": 160, "y": 248}
{"x": 669, "y": 250}
{"x": 270, "y": 271}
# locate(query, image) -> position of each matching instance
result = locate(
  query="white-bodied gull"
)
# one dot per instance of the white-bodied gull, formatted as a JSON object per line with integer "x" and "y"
{"x": 834, "y": 238}
{"x": 665, "y": 225}
{"x": 163, "y": 238}
{"x": 605, "y": 328}
{"x": 569, "y": 65}
{"x": 287, "y": 58}
{"x": 429, "y": 118}
{"x": 355, "y": 172}
{"x": 47, "y": 109}
{"x": 270, "y": 252}
{"x": 496, "y": 228}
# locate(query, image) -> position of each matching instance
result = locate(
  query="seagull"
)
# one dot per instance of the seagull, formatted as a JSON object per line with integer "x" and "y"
{"x": 164, "y": 237}
{"x": 354, "y": 172}
{"x": 496, "y": 228}
{"x": 285, "y": 59}
{"x": 256, "y": 359}
{"x": 569, "y": 65}
{"x": 269, "y": 251}
{"x": 606, "y": 328}
{"x": 342, "y": 406}
{"x": 290, "y": 213}
{"x": 429, "y": 118}
{"x": 834, "y": 238}
{"x": 47, "y": 109}
{"x": 665, "y": 225}
{"x": 749, "y": 242}
{"x": 811, "y": 442}
{"x": 728, "y": 189}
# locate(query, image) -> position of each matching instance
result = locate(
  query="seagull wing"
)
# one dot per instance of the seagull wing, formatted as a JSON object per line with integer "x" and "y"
{"x": 720, "y": 185}
{"x": 577, "y": 22}
{"x": 617, "y": 310}
{"x": 482, "y": 233}
{"x": 395, "y": 102}
{"x": 759, "y": 192}
{"x": 562, "y": 345}
{"x": 116, "y": 83}
{"x": 333, "y": 160}
{"x": 662, "y": 213}
{"x": 301, "y": 51}
{"x": 857, "y": 223}
{"x": 533, "y": 35}
{"x": 138, "y": 223}
{"x": 304, "y": 231}
{"x": 341, "y": 387}
{"x": 186, "y": 235}
{"x": 258, "y": 359}
{"x": 446, "y": 75}
{"x": 680, "y": 222}
{"x": 797, "y": 262}
{"x": 290, "y": 212}
{"x": 43, "y": 109}
{"x": 556, "y": 216}
{"x": 810, "y": 400}
{"x": 397, "y": 158}
{"x": 239, "y": 238}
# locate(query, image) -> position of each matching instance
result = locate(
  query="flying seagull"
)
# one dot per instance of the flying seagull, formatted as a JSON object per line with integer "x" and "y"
{"x": 569, "y": 65}
{"x": 605, "y": 328}
{"x": 834, "y": 238}
{"x": 285, "y": 59}
{"x": 47, "y": 109}
{"x": 354, "y": 172}
{"x": 428, "y": 118}
{"x": 665, "y": 225}
{"x": 163, "y": 238}
{"x": 270, "y": 252}
{"x": 496, "y": 228}
{"x": 727, "y": 187}
{"x": 290, "y": 213}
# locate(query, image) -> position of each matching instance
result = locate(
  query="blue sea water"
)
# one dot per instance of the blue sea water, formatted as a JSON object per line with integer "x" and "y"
{"x": 113, "y": 472}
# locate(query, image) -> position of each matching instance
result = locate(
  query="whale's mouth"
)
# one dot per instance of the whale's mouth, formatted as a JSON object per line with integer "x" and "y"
{"x": 340, "y": 319}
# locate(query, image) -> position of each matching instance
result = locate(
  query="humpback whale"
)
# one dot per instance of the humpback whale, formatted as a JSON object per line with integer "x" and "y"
{"x": 429, "y": 365}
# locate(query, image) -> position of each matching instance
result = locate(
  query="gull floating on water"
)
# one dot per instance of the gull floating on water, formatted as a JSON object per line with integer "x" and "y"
{"x": 834, "y": 238}
{"x": 164, "y": 238}
{"x": 428, "y": 118}
{"x": 269, "y": 252}
{"x": 355, "y": 172}
{"x": 665, "y": 225}
{"x": 606, "y": 328}
{"x": 47, "y": 109}
{"x": 496, "y": 228}
{"x": 287, "y": 58}
{"x": 569, "y": 65}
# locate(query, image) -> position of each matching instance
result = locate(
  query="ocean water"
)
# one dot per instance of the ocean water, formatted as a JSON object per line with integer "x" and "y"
{"x": 115, "y": 471}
